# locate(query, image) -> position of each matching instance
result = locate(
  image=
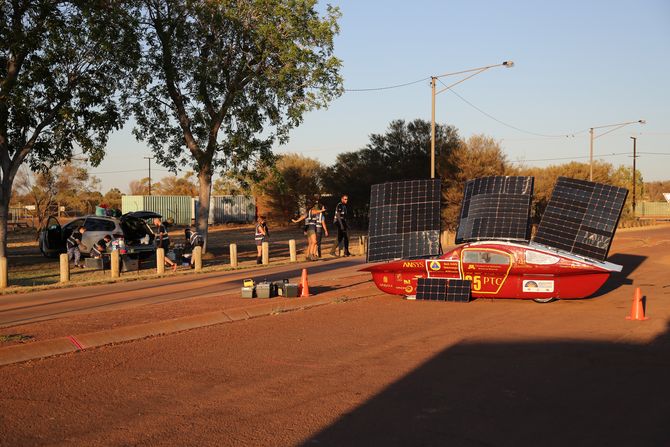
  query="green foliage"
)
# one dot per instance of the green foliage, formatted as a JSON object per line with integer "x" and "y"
{"x": 479, "y": 156}
{"x": 62, "y": 65}
{"x": 294, "y": 184}
{"x": 225, "y": 79}
{"x": 113, "y": 198}
{"x": 403, "y": 152}
{"x": 603, "y": 172}
{"x": 175, "y": 186}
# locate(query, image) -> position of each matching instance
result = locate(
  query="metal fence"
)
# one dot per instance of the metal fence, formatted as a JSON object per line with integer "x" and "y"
{"x": 223, "y": 209}
{"x": 652, "y": 209}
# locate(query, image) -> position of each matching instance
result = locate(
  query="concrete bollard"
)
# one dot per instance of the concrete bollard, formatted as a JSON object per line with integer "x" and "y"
{"x": 364, "y": 241}
{"x": 291, "y": 250}
{"x": 233, "y": 255}
{"x": 197, "y": 258}
{"x": 64, "y": 268}
{"x": 115, "y": 261}
{"x": 160, "y": 261}
{"x": 265, "y": 250}
{"x": 3, "y": 273}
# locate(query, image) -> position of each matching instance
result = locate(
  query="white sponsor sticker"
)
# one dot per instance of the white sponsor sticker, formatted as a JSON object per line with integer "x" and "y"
{"x": 537, "y": 286}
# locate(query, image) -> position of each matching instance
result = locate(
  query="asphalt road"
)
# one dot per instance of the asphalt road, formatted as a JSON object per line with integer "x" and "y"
{"x": 373, "y": 371}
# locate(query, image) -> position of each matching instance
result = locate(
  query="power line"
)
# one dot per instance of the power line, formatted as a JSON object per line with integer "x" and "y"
{"x": 385, "y": 88}
{"x": 507, "y": 124}
{"x": 572, "y": 158}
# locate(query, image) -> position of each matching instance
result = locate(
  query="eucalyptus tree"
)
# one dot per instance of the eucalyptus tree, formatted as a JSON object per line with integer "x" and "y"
{"x": 221, "y": 81}
{"x": 62, "y": 67}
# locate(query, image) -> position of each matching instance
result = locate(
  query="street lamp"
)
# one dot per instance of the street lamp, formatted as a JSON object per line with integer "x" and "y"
{"x": 592, "y": 137}
{"x": 433, "y": 81}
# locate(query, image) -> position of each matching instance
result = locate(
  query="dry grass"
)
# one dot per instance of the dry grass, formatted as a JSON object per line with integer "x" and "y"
{"x": 30, "y": 271}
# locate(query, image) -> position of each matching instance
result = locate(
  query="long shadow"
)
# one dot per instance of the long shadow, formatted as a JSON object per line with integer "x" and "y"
{"x": 630, "y": 263}
{"x": 555, "y": 393}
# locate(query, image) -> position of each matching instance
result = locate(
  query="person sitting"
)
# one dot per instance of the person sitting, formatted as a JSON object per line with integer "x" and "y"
{"x": 100, "y": 247}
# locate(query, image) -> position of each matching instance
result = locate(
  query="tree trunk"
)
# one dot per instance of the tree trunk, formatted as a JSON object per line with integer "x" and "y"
{"x": 5, "y": 197}
{"x": 205, "y": 189}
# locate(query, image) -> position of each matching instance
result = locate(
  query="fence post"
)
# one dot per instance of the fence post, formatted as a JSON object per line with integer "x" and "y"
{"x": 3, "y": 273}
{"x": 233, "y": 255}
{"x": 265, "y": 250}
{"x": 197, "y": 258}
{"x": 291, "y": 250}
{"x": 64, "y": 268}
{"x": 114, "y": 267}
{"x": 160, "y": 261}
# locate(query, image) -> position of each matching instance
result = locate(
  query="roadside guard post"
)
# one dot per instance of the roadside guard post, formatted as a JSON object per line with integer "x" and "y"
{"x": 114, "y": 261}
{"x": 291, "y": 250}
{"x": 64, "y": 268}
{"x": 160, "y": 261}
{"x": 233, "y": 255}
{"x": 265, "y": 248}
{"x": 3, "y": 272}
{"x": 197, "y": 258}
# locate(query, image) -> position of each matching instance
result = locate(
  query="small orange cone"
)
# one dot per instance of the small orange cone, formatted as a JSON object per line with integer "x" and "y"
{"x": 637, "y": 311}
{"x": 304, "y": 286}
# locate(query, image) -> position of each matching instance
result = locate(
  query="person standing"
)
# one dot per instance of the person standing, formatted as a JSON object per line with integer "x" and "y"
{"x": 340, "y": 221}
{"x": 320, "y": 230}
{"x": 74, "y": 246}
{"x": 163, "y": 241}
{"x": 193, "y": 239}
{"x": 310, "y": 230}
{"x": 262, "y": 235}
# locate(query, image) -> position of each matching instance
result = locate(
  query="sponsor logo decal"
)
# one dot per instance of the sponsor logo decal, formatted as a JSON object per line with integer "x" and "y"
{"x": 538, "y": 286}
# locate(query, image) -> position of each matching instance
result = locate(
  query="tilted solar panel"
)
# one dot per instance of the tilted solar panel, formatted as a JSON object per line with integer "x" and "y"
{"x": 496, "y": 208}
{"x": 581, "y": 217}
{"x": 404, "y": 220}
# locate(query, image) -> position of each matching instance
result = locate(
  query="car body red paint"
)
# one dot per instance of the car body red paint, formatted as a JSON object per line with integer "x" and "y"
{"x": 499, "y": 269}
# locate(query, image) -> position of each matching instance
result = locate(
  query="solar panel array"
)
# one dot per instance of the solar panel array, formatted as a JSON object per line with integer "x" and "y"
{"x": 496, "y": 208}
{"x": 581, "y": 217}
{"x": 404, "y": 220}
{"x": 442, "y": 289}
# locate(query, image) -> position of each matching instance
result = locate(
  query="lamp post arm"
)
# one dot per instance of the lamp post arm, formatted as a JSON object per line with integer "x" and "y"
{"x": 447, "y": 87}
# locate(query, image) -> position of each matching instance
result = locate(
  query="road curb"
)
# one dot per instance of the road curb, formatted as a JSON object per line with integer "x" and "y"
{"x": 63, "y": 345}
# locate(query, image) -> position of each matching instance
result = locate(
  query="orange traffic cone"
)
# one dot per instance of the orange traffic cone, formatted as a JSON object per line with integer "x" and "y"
{"x": 304, "y": 286}
{"x": 637, "y": 311}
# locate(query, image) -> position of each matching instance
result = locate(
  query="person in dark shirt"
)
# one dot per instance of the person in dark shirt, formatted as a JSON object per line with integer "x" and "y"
{"x": 74, "y": 246}
{"x": 340, "y": 221}
{"x": 100, "y": 247}
{"x": 163, "y": 241}
{"x": 193, "y": 239}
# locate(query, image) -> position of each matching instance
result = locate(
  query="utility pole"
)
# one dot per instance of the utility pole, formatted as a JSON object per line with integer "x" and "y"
{"x": 149, "y": 158}
{"x": 634, "y": 159}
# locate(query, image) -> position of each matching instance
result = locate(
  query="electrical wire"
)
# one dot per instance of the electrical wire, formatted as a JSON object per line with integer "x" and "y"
{"x": 374, "y": 89}
{"x": 572, "y": 158}
{"x": 507, "y": 124}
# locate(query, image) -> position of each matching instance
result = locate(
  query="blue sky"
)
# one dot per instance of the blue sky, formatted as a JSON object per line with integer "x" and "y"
{"x": 577, "y": 65}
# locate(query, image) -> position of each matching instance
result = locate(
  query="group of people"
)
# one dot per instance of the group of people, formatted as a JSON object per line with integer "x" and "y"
{"x": 74, "y": 244}
{"x": 315, "y": 228}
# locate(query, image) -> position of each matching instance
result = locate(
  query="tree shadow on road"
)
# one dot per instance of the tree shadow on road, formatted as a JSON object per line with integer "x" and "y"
{"x": 542, "y": 393}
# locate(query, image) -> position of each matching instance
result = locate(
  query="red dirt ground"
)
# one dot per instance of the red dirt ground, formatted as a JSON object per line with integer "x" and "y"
{"x": 374, "y": 371}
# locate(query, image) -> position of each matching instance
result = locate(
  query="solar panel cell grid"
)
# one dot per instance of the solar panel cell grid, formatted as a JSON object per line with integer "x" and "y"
{"x": 496, "y": 208}
{"x": 581, "y": 217}
{"x": 404, "y": 220}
